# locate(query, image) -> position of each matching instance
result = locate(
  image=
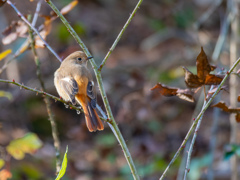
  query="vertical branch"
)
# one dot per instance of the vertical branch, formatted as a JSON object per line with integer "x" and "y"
{"x": 47, "y": 102}
{"x": 194, "y": 139}
{"x": 233, "y": 87}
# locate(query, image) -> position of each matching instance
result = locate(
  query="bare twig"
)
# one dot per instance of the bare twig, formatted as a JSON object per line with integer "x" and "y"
{"x": 198, "y": 108}
{"x": 120, "y": 35}
{"x": 193, "y": 140}
{"x": 198, "y": 118}
{"x": 102, "y": 91}
{"x": 47, "y": 101}
{"x": 33, "y": 28}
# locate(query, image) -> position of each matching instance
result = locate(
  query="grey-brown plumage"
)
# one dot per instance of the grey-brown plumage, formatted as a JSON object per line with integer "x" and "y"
{"x": 73, "y": 82}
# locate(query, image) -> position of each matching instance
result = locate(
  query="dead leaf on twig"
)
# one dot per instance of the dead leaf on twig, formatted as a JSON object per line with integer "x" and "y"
{"x": 15, "y": 30}
{"x": 203, "y": 76}
{"x": 184, "y": 94}
{"x": 225, "y": 108}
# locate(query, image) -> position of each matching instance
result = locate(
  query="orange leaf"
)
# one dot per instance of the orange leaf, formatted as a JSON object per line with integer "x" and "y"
{"x": 238, "y": 98}
{"x": 69, "y": 7}
{"x": 238, "y": 117}
{"x": 184, "y": 94}
{"x": 203, "y": 77}
{"x": 224, "y": 107}
{"x": 212, "y": 79}
{"x": 164, "y": 90}
{"x": 5, "y": 174}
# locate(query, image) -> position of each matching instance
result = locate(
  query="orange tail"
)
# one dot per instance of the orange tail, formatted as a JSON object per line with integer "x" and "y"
{"x": 92, "y": 119}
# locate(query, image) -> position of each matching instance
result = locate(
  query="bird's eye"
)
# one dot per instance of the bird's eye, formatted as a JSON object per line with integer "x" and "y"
{"x": 79, "y": 59}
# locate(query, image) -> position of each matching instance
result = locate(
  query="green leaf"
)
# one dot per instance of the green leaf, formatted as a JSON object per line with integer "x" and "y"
{"x": 6, "y": 94}
{"x": 2, "y": 163}
{"x": 63, "y": 167}
{"x": 29, "y": 143}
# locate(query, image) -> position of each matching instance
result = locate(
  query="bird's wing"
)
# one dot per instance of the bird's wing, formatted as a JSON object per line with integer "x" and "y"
{"x": 70, "y": 86}
{"x": 91, "y": 94}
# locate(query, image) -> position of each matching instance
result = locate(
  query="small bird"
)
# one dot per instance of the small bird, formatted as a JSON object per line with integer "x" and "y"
{"x": 73, "y": 82}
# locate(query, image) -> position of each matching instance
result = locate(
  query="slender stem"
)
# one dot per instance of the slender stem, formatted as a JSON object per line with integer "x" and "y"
{"x": 35, "y": 17}
{"x": 102, "y": 91}
{"x": 120, "y": 34}
{"x": 194, "y": 137}
{"x": 29, "y": 24}
{"x": 72, "y": 31}
{"x": 198, "y": 118}
{"x": 234, "y": 86}
{"x": 47, "y": 102}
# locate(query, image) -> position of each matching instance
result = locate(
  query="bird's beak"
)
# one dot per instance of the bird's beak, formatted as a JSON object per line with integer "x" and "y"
{"x": 89, "y": 57}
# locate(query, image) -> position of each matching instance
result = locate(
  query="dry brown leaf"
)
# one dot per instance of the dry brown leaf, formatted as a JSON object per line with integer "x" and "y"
{"x": 11, "y": 35}
{"x": 212, "y": 79}
{"x": 9, "y": 38}
{"x": 184, "y": 94}
{"x": 238, "y": 98}
{"x": 203, "y": 77}
{"x": 224, "y": 107}
{"x": 164, "y": 90}
{"x": 237, "y": 117}
{"x": 191, "y": 80}
{"x": 2, "y": 2}
{"x": 203, "y": 67}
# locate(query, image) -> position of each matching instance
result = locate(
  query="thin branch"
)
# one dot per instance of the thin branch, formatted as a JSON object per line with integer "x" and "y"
{"x": 35, "y": 17}
{"x": 102, "y": 91}
{"x": 67, "y": 104}
{"x": 198, "y": 118}
{"x": 187, "y": 169}
{"x": 120, "y": 35}
{"x": 35, "y": 30}
{"x": 46, "y": 100}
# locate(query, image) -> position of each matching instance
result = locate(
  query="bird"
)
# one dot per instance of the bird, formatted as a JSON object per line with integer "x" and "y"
{"x": 74, "y": 83}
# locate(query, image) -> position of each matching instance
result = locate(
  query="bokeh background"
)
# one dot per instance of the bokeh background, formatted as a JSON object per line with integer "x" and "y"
{"x": 162, "y": 37}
